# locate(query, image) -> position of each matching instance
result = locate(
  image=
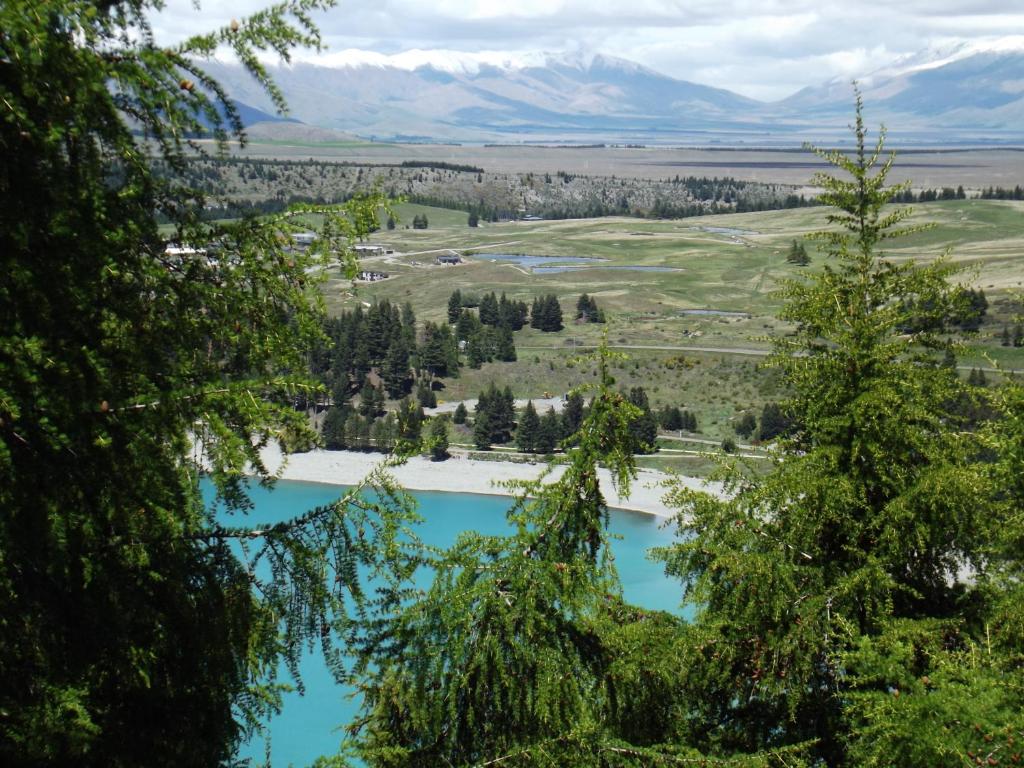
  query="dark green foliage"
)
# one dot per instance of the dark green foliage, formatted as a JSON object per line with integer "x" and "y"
{"x": 460, "y": 414}
{"x": 380, "y": 337}
{"x": 746, "y": 425}
{"x": 334, "y": 427}
{"x": 396, "y": 372}
{"x": 528, "y": 429}
{"x": 134, "y": 630}
{"x": 455, "y": 306}
{"x": 409, "y": 424}
{"x": 572, "y": 414}
{"x": 495, "y": 416}
{"x": 505, "y": 347}
{"x": 840, "y": 594}
{"x": 438, "y": 439}
{"x": 511, "y": 314}
{"x": 521, "y": 652}
{"x": 798, "y": 254}
{"x": 419, "y": 221}
{"x": 474, "y": 219}
{"x": 670, "y": 418}
{"x": 425, "y": 395}
{"x": 468, "y": 326}
{"x": 587, "y": 310}
{"x": 546, "y": 314}
{"x": 439, "y": 353}
{"x": 774, "y": 422}
{"x": 489, "y": 309}
{"x": 728, "y": 445}
{"x": 482, "y": 429}
{"x": 549, "y": 432}
{"x": 644, "y": 428}
{"x": 371, "y": 401}
{"x": 971, "y": 310}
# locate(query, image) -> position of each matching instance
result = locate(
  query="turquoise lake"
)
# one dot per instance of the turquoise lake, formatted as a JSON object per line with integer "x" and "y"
{"x": 309, "y": 725}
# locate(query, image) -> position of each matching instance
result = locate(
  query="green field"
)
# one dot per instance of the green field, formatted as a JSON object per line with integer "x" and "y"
{"x": 736, "y": 271}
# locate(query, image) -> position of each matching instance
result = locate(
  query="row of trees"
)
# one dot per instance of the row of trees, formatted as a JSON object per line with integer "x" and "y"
{"x": 492, "y": 310}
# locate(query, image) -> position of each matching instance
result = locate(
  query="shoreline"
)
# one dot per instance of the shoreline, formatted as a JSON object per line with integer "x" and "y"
{"x": 459, "y": 474}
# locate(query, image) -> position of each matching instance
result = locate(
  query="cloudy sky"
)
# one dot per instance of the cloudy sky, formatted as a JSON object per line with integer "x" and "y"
{"x": 765, "y": 49}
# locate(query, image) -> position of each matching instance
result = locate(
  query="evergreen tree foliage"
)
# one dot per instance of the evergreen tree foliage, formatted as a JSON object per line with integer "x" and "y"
{"x": 489, "y": 309}
{"x": 671, "y": 418}
{"x": 572, "y": 414}
{"x": 425, "y": 395}
{"x": 832, "y": 593}
{"x": 505, "y": 346}
{"x": 546, "y": 314}
{"x": 774, "y": 422}
{"x": 396, "y": 372}
{"x": 549, "y": 432}
{"x": 746, "y": 426}
{"x": 438, "y": 438}
{"x": 333, "y": 429}
{"x": 454, "y": 306}
{"x": 135, "y": 630}
{"x": 587, "y": 310}
{"x": 528, "y": 429}
{"x": 439, "y": 353}
{"x": 644, "y": 427}
{"x": 521, "y": 652}
{"x": 798, "y": 254}
{"x": 459, "y": 417}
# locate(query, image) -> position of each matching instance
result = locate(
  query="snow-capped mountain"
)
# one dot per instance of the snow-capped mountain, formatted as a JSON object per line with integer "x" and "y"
{"x": 965, "y": 86}
{"x": 957, "y": 93}
{"x": 488, "y": 97}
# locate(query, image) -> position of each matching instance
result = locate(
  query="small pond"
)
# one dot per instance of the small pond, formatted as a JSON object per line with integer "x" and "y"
{"x": 731, "y": 231}
{"x": 715, "y": 312}
{"x": 533, "y": 261}
{"x": 632, "y": 267}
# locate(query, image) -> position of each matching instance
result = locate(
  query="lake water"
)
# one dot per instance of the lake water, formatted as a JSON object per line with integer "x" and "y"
{"x": 533, "y": 261}
{"x": 632, "y": 267}
{"x": 732, "y": 231}
{"x": 716, "y": 312}
{"x": 308, "y": 725}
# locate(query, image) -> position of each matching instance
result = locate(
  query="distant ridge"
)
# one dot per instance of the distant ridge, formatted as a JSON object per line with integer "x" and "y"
{"x": 963, "y": 94}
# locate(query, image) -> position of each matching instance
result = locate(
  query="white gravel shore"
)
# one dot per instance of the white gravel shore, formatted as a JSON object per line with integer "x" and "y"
{"x": 462, "y": 475}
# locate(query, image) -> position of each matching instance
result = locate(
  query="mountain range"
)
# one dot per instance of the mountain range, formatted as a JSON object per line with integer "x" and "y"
{"x": 967, "y": 94}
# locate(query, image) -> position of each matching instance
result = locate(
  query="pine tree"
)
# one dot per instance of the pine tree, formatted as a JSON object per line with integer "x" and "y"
{"x": 334, "y": 428}
{"x": 126, "y": 348}
{"x": 460, "y": 414}
{"x": 438, "y": 438}
{"x": 505, "y": 346}
{"x": 798, "y": 254}
{"x": 489, "y": 309}
{"x": 644, "y": 427}
{"x": 396, "y": 373}
{"x": 454, "y": 306}
{"x": 549, "y": 432}
{"x": 830, "y": 585}
{"x": 528, "y": 634}
{"x": 572, "y": 414}
{"x": 528, "y": 429}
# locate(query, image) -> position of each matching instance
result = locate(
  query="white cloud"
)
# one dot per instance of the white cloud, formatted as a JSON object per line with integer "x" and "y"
{"x": 761, "y": 48}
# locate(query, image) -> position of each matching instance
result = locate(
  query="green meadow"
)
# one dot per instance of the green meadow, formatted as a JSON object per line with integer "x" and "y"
{"x": 733, "y": 263}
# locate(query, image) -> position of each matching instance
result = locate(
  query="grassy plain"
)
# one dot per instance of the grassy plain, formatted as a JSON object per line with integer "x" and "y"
{"x": 974, "y": 168}
{"x": 735, "y": 263}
